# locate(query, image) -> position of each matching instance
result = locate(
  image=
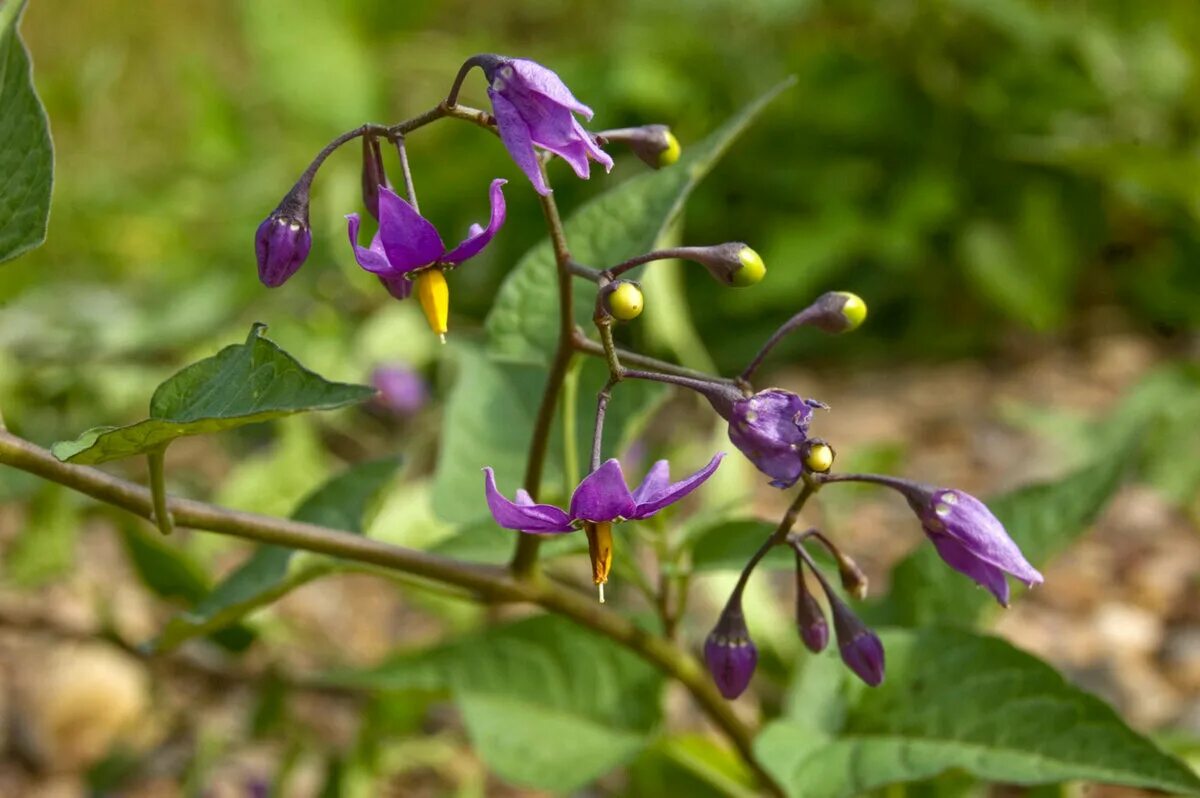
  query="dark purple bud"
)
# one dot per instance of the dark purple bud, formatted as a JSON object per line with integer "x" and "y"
{"x": 810, "y": 619}
{"x": 654, "y": 144}
{"x": 373, "y": 174}
{"x": 860, "y": 647}
{"x": 284, "y": 238}
{"x": 729, "y": 652}
{"x": 402, "y": 391}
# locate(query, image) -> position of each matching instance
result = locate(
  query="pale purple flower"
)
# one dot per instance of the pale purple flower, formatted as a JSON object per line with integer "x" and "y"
{"x": 970, "y": 539}
{"x": 533, "y": 107}
{"x": 771, "y": 428}
{"x": 407, "y": 242}
{"x": 729, "y": 653}
{"x": 402, "y": 391}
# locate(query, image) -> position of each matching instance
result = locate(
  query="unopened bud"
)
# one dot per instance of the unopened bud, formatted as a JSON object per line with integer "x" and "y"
{"x": 854, "y": 581}
{"x": 832, "y": 312}
{"x": 860, "y": 648}
{"x": 810, "y": 619}
{"x": 729, "y": 652}
{"x": 654, "y": 144}
{"x": 732, "y": 264}
{"x": 281, "y": 244}
{"x": 623, "y": 300}
{"x": 818, "y": 456}
{"x": 373, "y": 174}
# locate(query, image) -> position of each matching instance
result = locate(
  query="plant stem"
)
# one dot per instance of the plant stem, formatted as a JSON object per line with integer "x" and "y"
{"x": 673, "y": 253}
{"x": 589, "y": 347}
{"x": 524, "y": 559}
{"x": 158, "y": 491}
{"x": 409, "y": 189}
{"x": 570, "y": 400}
{"x": 489, "y": 582}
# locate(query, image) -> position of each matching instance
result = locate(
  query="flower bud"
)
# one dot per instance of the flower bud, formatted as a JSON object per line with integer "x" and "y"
{"x": 832, "y": 312}
{"x": 860, "y": 648}
{"x": 729, "y": 652}
{"x": 373, "y": 174}
{"x": 654, "y": 144}
{"x": 623, "y": 300}
{"x": 854, "y": 581}
{"x": 817, "y": 456}
{"x": 284, "y": 238}
{"x": 732, "y": 264}
{"x": 810, "y": 619}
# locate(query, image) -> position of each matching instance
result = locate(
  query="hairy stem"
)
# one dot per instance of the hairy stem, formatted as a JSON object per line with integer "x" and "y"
{"x": 489, "y": 582}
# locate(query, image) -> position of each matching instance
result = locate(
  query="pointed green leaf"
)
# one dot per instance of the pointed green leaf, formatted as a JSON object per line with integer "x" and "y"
{"x": 26, "y": 152}
{"x": 957, "y": 700}
{"x": 341, "y": 503}
{"x": 547, "y": 703}
{"x": 618, "y": 225}
{"x": 242, "y": 384}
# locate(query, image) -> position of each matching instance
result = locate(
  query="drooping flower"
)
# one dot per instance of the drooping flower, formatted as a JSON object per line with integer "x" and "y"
{"x": 771, "y": 429}
{"x": 729, "y": 653}
{"x": 600, "y": 500}
{"x": 533, "y": 107}
{"x": 970, "y": 539}
{"x": 408, "y": 251}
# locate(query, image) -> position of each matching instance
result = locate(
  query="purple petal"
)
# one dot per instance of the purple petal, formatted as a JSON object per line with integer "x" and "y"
{"x": 532, "y": 76}
{"x": 972, "y": 524}
{"x": 408, "y": 239}
{"x": 602, "y": 495}
{"x": 863, "y": 654}
{"x": 657, "y": 479}
{"x": 524, "y": 516}
{"x": 282, "y": 245}
{"x": 398, "y": 286}
{"x": 957, "y": 557}
{"x": 649, "y": 503}
{"x": 373, "y": 260}
{"x": 731, "y": 663}
{"x": 479, "y": 237}
{"x": 514, "y": 132}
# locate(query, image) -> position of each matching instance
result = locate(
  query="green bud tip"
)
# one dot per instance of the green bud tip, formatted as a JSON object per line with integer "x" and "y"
{"x": 854, "y": 310}
{"x": 671, "y": 154}
{"x": 752, "y": 269}
{"x": 625, "y": 302}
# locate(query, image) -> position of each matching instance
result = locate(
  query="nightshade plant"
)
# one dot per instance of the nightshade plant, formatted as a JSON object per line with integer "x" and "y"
{"x": 535, "y": 117}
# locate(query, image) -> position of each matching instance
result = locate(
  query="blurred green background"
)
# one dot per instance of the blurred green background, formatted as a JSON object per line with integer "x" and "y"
{"x": 994, "y": 177}
{"x": 981, "y": 172}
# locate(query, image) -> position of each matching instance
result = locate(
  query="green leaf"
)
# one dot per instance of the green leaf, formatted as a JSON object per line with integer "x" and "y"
{"x": 270, "y": 572}
{"x": 547, "y": 704}
{"x": 26, "y": 152}
{"x": 242, "y": 384}
{"x": 619, "y": 224}
{"x": 954, "y": 699}
{"x": 1043, "y": 519}
{"x": 727, "y": 544}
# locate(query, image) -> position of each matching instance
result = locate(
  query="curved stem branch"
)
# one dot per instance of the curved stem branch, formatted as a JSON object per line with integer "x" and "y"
{"x": 158, "y": 491}
{"x": 589, "y": 347}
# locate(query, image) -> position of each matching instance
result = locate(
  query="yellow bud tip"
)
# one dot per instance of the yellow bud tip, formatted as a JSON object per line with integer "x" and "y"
{"x": 626, "y": 302}
{"x": 854, "y": 310}
{"x": 434, "y": 296}
{"x": 819, "y": 458}
{"x": 671, "y": 154}
{"x": 752, "y": 270}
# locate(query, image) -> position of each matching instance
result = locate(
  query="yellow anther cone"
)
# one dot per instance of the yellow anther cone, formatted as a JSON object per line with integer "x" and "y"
{"x": 434, "y": 296}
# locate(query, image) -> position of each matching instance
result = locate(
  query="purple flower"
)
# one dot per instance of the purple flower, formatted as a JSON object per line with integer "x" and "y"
{"x": 402, "y": 391}
{"x": 970, "y": 539}
{"x": 408, "y": 249}
{"x": 771, "y": 428}
{"x": 729, "y": 652}
{"x": 533, "y": 107}
{"x": 281, "y": 243}
{"x": 599, "y": 501}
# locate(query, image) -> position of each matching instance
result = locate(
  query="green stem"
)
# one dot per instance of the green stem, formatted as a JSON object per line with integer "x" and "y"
{"x": 570, "y": 402}
{"x": 158, "y": 491}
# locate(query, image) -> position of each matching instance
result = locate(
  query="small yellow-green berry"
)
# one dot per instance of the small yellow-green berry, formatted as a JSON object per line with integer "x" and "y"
{"x": 671, "y": 154}
{"x": 625, "y": 302}
{"x": 818, "y": 457}
{"x": 752, "y": 269}
{"x": 854, "y": 311}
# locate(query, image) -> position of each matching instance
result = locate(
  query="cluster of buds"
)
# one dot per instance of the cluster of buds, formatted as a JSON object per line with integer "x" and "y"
{"x": 537, "y": 118}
